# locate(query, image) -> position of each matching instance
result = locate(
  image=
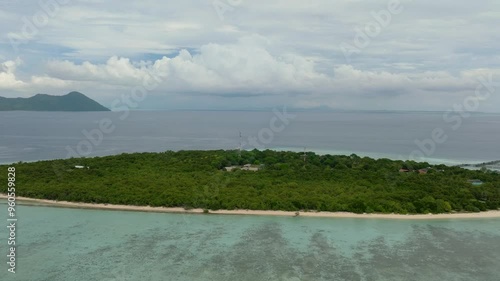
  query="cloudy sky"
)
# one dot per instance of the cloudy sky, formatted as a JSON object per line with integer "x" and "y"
{"x": 242, "y": 54}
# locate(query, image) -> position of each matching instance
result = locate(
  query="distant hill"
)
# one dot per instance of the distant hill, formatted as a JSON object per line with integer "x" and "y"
{"x": 73, "y": 101}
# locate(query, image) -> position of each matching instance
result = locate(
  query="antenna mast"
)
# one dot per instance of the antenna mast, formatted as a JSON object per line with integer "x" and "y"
{"x": 239, "y": 148}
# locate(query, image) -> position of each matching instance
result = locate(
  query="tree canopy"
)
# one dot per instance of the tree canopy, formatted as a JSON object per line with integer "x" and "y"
{"x": 197, "y": 179}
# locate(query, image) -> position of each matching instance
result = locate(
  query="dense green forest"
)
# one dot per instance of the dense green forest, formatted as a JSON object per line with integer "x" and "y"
{"x": 197, "y": 179}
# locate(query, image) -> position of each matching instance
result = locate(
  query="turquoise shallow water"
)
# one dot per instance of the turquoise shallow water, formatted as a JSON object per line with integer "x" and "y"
{"x": 71, "y": 244}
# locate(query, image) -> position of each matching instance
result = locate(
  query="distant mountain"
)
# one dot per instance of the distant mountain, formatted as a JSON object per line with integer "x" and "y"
{"x": 73, "y": 101}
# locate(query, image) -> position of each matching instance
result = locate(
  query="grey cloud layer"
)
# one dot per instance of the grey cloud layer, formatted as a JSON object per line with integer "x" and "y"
{"x": 263, "y": 52}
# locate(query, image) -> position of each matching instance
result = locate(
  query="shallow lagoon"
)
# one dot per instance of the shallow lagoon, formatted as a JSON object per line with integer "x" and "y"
{"x": 72, "y": 244}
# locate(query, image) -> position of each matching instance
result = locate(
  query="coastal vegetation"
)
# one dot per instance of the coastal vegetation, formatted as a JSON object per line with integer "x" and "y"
{"x": 287, "y": 181}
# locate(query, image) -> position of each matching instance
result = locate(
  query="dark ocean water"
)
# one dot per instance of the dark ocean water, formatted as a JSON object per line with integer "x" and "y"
{"x": 30, "y": 136}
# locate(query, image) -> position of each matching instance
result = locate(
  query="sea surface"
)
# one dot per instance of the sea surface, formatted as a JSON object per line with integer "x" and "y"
{"x": 31, "y": 136}
{"x": 58, "y": 244}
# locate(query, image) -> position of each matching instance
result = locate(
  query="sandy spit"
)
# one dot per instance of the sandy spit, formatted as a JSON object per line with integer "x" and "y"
{"x": 65, "y": 204}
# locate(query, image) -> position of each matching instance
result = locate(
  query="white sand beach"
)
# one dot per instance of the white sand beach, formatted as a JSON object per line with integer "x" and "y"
{"x": 65, "y": 204}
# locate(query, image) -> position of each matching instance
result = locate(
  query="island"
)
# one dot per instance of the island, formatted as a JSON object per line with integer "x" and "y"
{"x": 74, "y": 101}
{"x": 284, "y": 181}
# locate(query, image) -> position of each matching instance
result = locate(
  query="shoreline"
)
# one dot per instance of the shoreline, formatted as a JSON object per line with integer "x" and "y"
{"x": 178, "y": 210}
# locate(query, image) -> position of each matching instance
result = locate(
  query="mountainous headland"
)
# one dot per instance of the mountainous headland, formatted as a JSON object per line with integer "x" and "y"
{"x": 74, "y": 101}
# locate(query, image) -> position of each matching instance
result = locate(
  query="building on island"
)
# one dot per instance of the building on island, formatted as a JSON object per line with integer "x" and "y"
{"x": 476, "y": 182}
{"x": 246, "y": 167}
